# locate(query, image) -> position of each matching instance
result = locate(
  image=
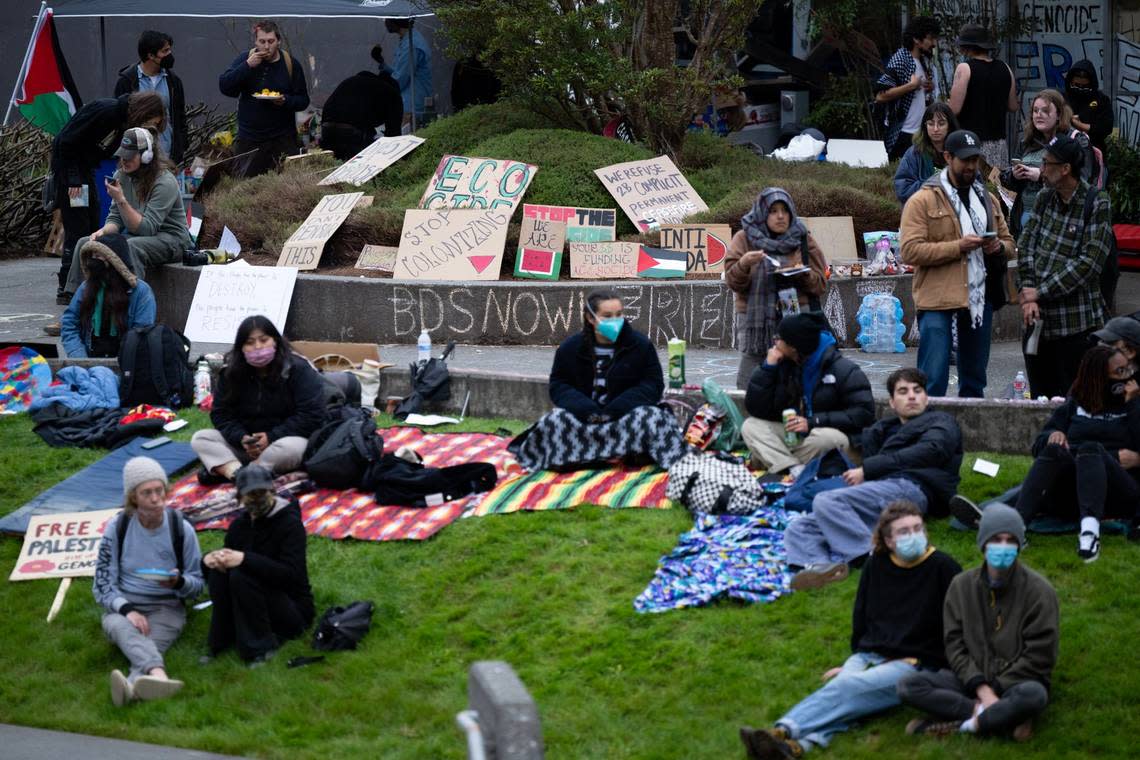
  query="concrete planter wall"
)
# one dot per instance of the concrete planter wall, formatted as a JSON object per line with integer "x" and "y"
{"x": 529, "y": 313}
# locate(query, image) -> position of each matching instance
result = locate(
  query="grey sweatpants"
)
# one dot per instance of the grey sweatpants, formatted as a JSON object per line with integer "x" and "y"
{"x": 283, "y": 455}
{"x": 166, "y": 619}
{"x": 765, "y": 439}
{"x": 150, "y": 251}
{"x": 943, "y": 695}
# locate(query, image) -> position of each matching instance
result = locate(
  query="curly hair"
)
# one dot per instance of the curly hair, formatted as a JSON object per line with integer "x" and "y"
{"x": 893, "y": 511}
{"x": 1092, "y": 386}
{"x": 1064, "y": 117}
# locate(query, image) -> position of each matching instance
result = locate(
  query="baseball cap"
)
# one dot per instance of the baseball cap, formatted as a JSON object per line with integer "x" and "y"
{"x": 1067, "y": 150}
{"x": 253, "y": 477}
{"x": 1120, "y": 328}
{"x": 963, "y": 144}
{"x": 133, "y": 143}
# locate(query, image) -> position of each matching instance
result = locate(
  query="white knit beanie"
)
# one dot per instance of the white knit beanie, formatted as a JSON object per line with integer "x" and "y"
{"x": 139, "y": 470}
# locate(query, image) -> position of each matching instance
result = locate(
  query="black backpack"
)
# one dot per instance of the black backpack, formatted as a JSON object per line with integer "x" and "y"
{"x": 343, "y": 627}
{"x": 339, "y": 454}
{"x": 410, "y": 484}
{"x": 173, "y": 519}
{"x": 154, "y": 364}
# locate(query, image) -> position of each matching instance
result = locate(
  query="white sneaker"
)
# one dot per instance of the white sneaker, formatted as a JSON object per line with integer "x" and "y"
{"x": 1088, "y": 546}
{"x": 121, "y": 690}
{"x": 147, "y": 688}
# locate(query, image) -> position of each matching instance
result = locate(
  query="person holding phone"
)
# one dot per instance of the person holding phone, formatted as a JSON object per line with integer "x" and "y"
{"x": 959, "y": 270}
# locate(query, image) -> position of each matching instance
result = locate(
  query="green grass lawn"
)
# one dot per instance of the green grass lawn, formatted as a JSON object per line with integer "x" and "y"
{"x": 552, "y": 594}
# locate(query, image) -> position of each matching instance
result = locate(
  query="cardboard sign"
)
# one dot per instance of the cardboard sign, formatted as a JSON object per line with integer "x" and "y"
{"x": 452, "y": 244}
{"x": 705, "y": 244}
{"x": 304, "y": 247}
{"x": 607, "y": 261}
{"x": 372, "y": 160}
{"x": 227, "y": 294}
{"x": 382, "y": 257}
{"x": 835, "y": 236}
{"x": 63, "y": 545}
{"x": 356, "y": 352}
{"x": 539, "y": 255}
{"x": 490, "y": 183}
{"x": 583, "y": 225}
{"x": 651, "y": 192}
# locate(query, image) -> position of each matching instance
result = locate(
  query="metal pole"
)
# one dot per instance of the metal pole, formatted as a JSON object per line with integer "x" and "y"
{"x": 27, "y": 57}
{"x": 103, "y": 52}
{"x": 412, "y": 60}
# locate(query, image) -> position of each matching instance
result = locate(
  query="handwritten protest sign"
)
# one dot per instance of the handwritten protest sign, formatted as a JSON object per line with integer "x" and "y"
{"x": 704, "y": 244}
{"x": 490, "y": 183}
{"x": 583, "y": 225}
{"x": 834, "y": 234}
{"x": 651, "y": 192}
{"x": 607, "y": 261}
{"x": 227, "y": 294}
{"x": 382, "y": 257}
{"x": 63, "y": 545}
{"x": 452, "y": 244}
{"x": 304, "y": 247}
{"x": 372, "y": 160}
{"x": 539, "y": 254}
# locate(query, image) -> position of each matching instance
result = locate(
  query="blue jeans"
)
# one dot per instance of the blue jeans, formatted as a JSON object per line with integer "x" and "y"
{"x": 934, "y": 344}
{"x": 865, "y": 686}
{"x": 838, "y": 529}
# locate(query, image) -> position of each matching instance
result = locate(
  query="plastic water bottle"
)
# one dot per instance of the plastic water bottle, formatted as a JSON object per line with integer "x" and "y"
{"x": 202, "y": 385}
{"x": 881, "y": 326}
{"x": 1020, "y": 386}
{"x": 423, "y": 346}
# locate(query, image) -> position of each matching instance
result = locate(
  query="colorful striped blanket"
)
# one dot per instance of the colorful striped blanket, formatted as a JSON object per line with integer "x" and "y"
{"x": 618, "y": 488}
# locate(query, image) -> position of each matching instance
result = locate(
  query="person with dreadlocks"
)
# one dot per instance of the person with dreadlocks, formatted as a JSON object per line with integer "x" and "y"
{"x": 765, "y": 268}
{"x": 109, "y": 303}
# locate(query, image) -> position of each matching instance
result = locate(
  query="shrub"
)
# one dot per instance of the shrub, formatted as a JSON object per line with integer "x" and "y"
{"x": 1124, "y": 181}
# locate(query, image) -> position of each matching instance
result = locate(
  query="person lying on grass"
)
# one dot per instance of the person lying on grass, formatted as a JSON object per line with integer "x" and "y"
{"x": 259, "y": 581}
{"x": 896, "y": 630}
{"x": 268, "y": 402}
{"x": 148, "y": 565}
{"x": 1002, "y": 635}
{"x": 606, "y": 383}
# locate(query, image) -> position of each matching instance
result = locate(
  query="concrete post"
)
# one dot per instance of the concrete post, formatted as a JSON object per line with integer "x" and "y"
{"x": 507, "y": 714}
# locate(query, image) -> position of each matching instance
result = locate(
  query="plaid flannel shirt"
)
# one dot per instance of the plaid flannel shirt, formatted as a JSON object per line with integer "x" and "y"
{"x": 899, "y": 69}
{"x": 1063, "y": 260}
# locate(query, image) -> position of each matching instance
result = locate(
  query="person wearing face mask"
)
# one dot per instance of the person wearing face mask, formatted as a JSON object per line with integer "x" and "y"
{"x": 1002, "y": 634}
{"x": 953, "y": 233}
{"x": 146, "y": 207}
{"x": 259, "y": 580}
{"x": 109, "y": 303}
{"x": 267, "y": 403}
{"x": 771, "y": 239}
{"x": 153, "y": 73}
{"x": 804, "y": 371}
{"x": 1092, "y": 108}
{"x": 896, "y": 630}
{"x": 1077, "y": 452}
{"x": 605, "y": 384}
{"x": 925, "y": 156}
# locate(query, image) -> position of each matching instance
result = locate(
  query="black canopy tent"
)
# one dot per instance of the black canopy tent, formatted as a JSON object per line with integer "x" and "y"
{"x": 376, "y": 9}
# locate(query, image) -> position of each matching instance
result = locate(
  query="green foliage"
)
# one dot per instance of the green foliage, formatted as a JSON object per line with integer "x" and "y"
{"x": 1123, "y": 162}
{"x": 842, "y": 111}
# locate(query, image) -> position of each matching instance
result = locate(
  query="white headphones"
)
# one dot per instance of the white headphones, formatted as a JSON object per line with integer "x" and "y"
{"x": 148, "y": 154}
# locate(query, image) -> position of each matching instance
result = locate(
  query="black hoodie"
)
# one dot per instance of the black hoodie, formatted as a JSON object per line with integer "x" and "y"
{"x": 1092, "y": 107}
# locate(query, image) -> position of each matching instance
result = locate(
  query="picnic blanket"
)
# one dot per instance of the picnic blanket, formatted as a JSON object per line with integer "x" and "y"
{"x": 618, "y": 488}
{"x": 97, "y": 486}
{"x": 355, "y": 514}
{"x": 735, "y": 556}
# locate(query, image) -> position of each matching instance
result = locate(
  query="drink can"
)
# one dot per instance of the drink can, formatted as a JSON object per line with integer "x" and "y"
{"x": 790, "y": 438}
{"x": 676, "y": 349}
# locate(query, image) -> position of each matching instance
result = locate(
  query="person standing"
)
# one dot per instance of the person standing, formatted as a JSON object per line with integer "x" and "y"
{"x": 411, "y": 62}
{"x": 1059, "y": 260}
{"x": 1002, "y": 634}
{"x": 926, "y": 155}
{"x": 953, "y": 233}
{"x": 359, "y": 105}
{"x": 907, "y": 84}
{"x": 153, "y": 73}
{"x": 982, "y": 85}
{"x": 1092, "y": 109}
{"x": 266, "y": 123}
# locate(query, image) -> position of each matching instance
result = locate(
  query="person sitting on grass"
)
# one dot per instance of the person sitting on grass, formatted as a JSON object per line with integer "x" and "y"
{"x": 1001, "y": 634}
{"x": 804, "y": 371}
{"x": 268, "y": 402}
{"x": 606, "y": 383}
{"x": 111, "y": 302}
{"x": 913, "y": 457}
{"x": 896, "y": 630}
{"x": 147, "y": 567}
{"x": 259, "y": 581}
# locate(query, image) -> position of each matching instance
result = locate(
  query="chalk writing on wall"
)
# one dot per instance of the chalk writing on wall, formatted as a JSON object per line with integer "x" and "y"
{"x": 1128, "y": 89}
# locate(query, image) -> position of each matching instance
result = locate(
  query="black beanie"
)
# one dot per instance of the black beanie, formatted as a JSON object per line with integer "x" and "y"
{"x": 801, "y": 331}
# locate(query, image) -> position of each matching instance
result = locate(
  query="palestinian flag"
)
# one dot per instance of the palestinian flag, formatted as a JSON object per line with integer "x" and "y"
{"x": 47, "y": 96}
{"x": 661, "y": 262}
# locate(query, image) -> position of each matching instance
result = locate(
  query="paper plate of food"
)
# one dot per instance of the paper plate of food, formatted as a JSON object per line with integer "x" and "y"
{"x": 267, "y": 95}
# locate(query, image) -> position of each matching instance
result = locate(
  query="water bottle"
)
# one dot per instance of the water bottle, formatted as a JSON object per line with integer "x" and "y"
{"x": 423, "y": 346}
{"x": 202, "y": 385}
{"x": 1020, "y": 386}
{"x": 881, "y": 326}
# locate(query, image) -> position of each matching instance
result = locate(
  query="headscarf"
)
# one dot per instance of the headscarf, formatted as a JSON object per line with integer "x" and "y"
{"x": 755, "y": 224}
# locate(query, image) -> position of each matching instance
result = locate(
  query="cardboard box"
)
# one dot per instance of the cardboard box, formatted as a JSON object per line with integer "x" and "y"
{"x": 355, "y": 352}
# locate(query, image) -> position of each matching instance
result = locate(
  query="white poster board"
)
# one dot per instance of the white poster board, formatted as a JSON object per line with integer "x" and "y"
{"x": 452, "y": 244}
{"x": 61, "y": 545}
{"x": 651, "y": 192}
{"x": 865, "y": 153}
{"x": 227, "y": 294}
{"x": 372, "y": 160}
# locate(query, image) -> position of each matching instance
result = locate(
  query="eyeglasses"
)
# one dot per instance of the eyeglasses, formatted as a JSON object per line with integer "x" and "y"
{"x": 935, "y": 124}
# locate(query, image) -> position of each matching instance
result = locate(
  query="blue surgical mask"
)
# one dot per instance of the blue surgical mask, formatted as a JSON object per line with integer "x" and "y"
{"x": 1001, "y": 556}
{"x": 611, "y": 327}
{"x": 909, "y": 548}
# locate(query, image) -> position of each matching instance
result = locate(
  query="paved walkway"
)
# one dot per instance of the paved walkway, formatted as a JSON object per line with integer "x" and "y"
{"x": 21, "y": 743}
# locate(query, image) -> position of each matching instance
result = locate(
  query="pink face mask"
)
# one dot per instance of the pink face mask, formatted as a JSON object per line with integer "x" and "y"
{"x": 259, "y": 357}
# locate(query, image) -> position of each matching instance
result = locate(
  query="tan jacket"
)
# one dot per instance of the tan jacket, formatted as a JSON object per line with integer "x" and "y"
{"x": 738, "y": 270}
{"x": 929, "y": 233}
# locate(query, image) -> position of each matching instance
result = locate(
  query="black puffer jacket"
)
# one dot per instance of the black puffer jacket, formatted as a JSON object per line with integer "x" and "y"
{"x": 842, "y": 397}
{"x": 1115, "y": 428}
{"x": 926, "y": 450}
{"x": 91, "y": 136}
{"x": 634, "y": 378}
{"x": 291, "y": 404}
